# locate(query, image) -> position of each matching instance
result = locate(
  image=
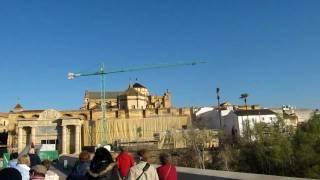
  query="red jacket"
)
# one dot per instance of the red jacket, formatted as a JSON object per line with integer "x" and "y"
{"x": 167, "y": 172}
{"x": 125, "y": 162}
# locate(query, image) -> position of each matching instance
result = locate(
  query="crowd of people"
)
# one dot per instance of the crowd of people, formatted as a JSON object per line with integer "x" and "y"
{"x": 101, "y": 167}
{"x": 124, "y": 167}
{"x": 28, "y": 167}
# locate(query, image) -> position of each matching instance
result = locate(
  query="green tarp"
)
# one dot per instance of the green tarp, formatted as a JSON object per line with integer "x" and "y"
{"x": 44, "y": 155}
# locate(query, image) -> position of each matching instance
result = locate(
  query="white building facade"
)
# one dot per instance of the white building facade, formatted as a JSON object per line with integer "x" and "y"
{"x": 233, "y": 122}
{"x": 248, "y": 118}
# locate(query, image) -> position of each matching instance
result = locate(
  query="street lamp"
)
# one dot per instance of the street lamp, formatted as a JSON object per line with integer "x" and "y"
{"x": 219, "y": 109}
{"x": 71, "y": 75}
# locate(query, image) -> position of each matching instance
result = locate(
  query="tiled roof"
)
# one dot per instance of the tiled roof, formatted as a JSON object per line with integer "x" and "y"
{"x": 132, "y": 92}
{"x": 97, "y": 94}
{"x": 18, "y": 106}
{"x": 252, "y": 112}
{"x": 33, "y": 111}
{"x": 4, "y": 114}
{"x": 138, "y": 85}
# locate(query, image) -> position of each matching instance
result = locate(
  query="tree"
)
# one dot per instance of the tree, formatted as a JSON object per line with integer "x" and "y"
{"x": 198, "y": 141}
{"x": 276, "y": 149}
{"x": 245, "y": 96}
{"x": 270, "y": 152}
{"x": 226, "y": 158}
{"x": 306, "y": 143}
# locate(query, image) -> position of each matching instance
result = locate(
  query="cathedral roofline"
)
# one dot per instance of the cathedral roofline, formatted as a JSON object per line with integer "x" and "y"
{"x": 138, "y": 85}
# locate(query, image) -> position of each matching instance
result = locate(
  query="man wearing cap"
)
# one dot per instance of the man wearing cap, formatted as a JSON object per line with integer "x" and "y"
{"x": 38, "y": 172}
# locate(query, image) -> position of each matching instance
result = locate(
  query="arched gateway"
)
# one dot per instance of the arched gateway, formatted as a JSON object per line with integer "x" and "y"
{"x": 51, "y": 128}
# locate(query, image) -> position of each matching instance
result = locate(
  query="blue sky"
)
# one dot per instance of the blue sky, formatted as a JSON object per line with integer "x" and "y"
{"x": 269, "y": 49}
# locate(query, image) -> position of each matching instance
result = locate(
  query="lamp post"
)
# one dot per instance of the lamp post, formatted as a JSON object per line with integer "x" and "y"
{"x": 219, "y": 109}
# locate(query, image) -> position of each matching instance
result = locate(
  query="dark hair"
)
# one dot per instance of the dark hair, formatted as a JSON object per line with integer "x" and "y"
{"x": 123, "y": 148}
{"x": 164, "y": 158}
{"x": 14, "y": 156}
{"x": 102, "y": 158}
{"x": 143, "y": 154}
{"x": 10, "y": 174}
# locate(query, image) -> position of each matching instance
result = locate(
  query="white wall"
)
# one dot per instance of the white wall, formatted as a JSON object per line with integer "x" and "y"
{"x": 252, "y": 119}
{"x": 208, "y": 117}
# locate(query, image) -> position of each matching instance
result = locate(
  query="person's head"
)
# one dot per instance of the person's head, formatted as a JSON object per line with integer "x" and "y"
{"x": 123, "y": 148}
{"x": 46, "y": 163}
{"x": 164, "y": 158}
{"x": 38, "y": 170}
{"x": 143, "y": 155}
{"x": 10, "y": 174}
{"x": 84, "y": 156}
{"x": 24, "y": 160}
{"x": 102, "y": 154}
{"x": 102, "y": 158}
{"x": 14, "y": 156}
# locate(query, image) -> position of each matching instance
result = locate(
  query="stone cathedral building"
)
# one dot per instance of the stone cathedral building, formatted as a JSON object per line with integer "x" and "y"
{"x": 135, "y": 97}
{"x": 133, "y": 115}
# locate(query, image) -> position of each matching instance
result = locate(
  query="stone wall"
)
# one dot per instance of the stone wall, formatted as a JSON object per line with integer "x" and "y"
{"x": 140, "y": 113}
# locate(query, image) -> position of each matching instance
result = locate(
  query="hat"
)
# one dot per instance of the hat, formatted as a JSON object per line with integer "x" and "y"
{"x": 39, "y": 169}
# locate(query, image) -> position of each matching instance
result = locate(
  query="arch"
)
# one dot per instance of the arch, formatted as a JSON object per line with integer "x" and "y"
{"x": 35, "y": 116}
{"x": 67, "y": 115}
{"x": 83, "y": 116}
{"x": 21, "y": 117}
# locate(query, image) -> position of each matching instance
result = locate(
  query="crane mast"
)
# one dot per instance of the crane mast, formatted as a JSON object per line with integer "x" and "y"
{"x": 102, "y": 73}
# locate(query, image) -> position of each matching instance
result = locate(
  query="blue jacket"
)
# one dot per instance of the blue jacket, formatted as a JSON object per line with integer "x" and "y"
{"x": 79, "y": 171}
{"x": 34, "y": 160}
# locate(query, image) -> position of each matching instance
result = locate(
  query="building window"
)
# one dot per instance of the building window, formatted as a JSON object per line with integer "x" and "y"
{"x": 52, "y": 142}
{"x": 133, "y": 106}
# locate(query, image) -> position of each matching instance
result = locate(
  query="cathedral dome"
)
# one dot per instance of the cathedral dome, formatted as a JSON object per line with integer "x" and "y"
{"x": 138, "y": 85}
{"x": 18, "y": 108}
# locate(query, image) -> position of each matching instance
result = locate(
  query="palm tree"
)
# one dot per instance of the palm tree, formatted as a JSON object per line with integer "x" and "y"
{"x": 245, "y": 96}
